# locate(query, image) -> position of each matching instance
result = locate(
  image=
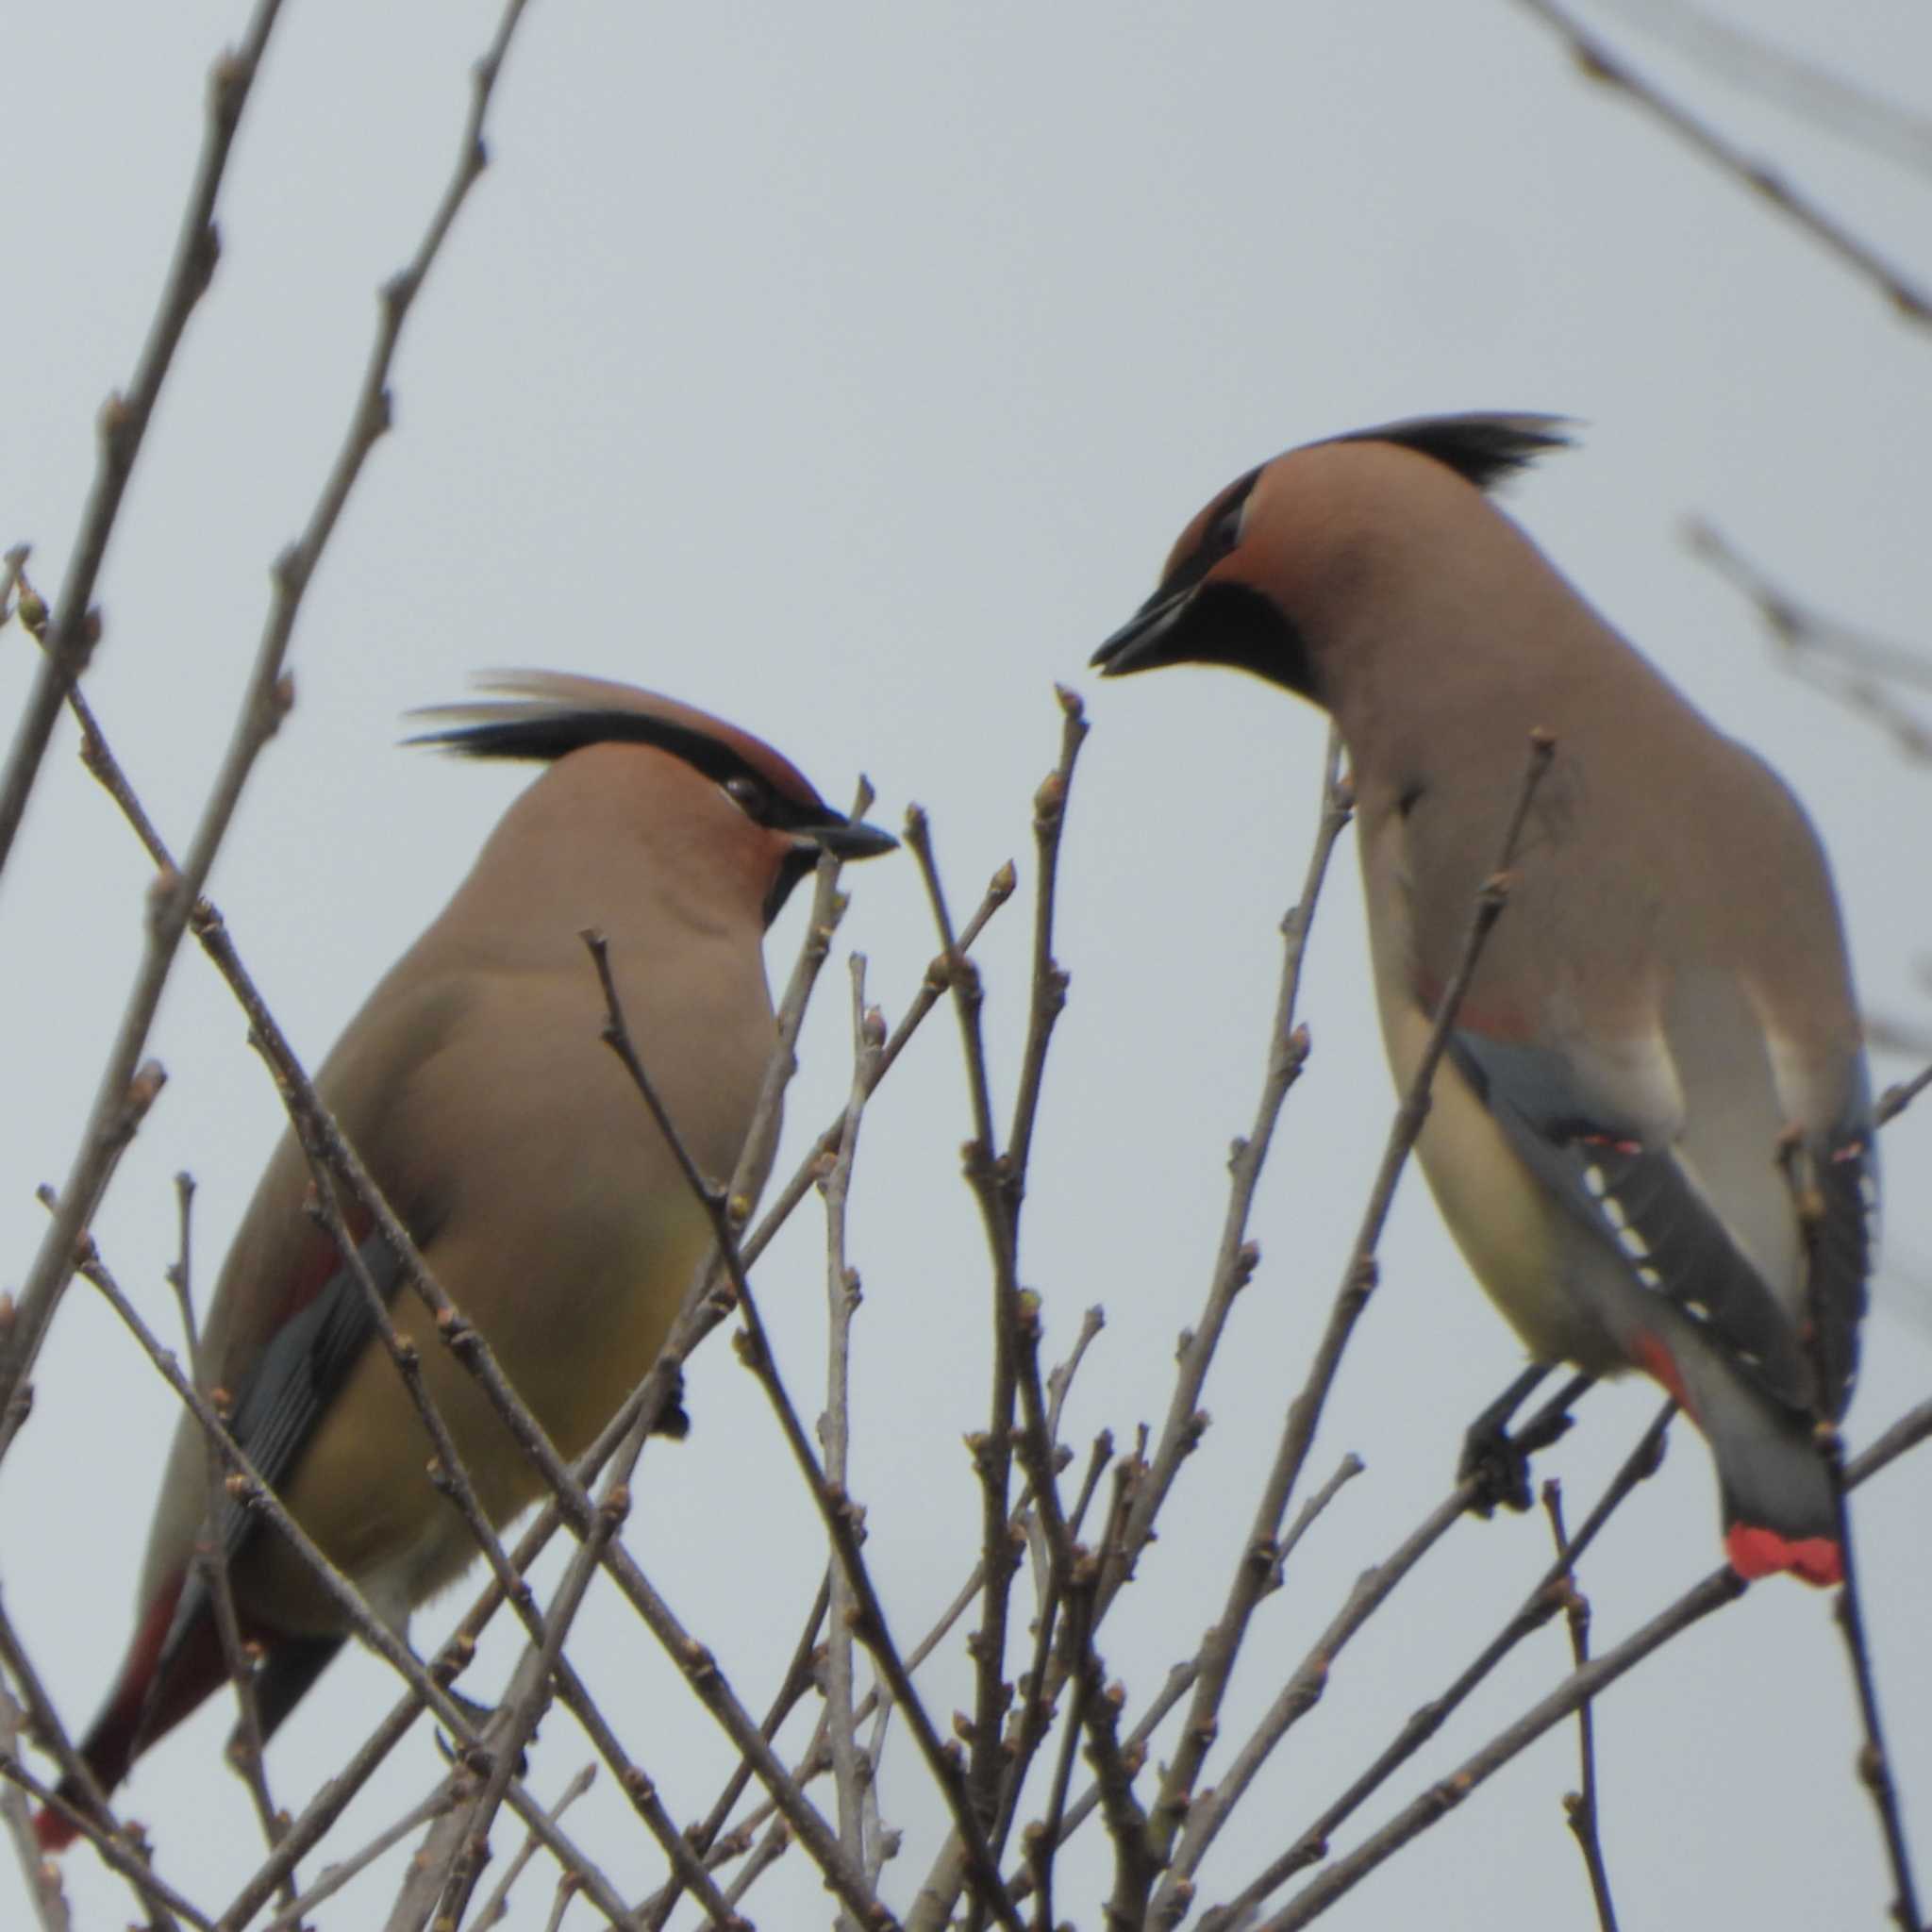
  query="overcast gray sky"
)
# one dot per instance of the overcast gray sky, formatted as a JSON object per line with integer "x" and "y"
{"x": 847, "y": 369}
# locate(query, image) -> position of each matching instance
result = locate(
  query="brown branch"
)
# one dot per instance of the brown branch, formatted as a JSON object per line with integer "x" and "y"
{"x": 459, "y": 1846}
{"x": 816, "y": 1759}
{"x": 211, "y": 1555}
{"x": 1001, "y": 1188}
{"x": 50, "y": 1734}
{"x": 1904, "y": 1435}
{"x": 1895, "y": 1099}
{"x": 315, "y": 1131}
{"x": 998, "y": 1760}
{"x": 12, "y": 571}
{"x": 1255, "y": 1567}
{"x": 1749, "y": 61}
{"x": 1875, "y": 1765}
{"x": 851, "y": 1779}
{"x": 1722, "y": 1586}
{"x": 702, "y": 1673}
{"x": 840, "y": 1514}
{"x": 216, "y": 942}
{"x": 1857, "y": 670}
{"x": 1580, "y": 1806}
{"x": 1601, "y": 63}
{"x": 991, "y": 1448}
{"x": 110, "y": 1132}
{"x": 122, "y": 424}
{"x": 247, "y": 1487}
{"x": 805, "y": 1178}
{"x": 530, "y": 1692}
{"x": 116, "y": 1852}
{"x": 335, "y": 1876}
{"x": 998, "y": 1188}
{"x": 1535, "y": 1609}
{"x": 495, "y": 1907}
{"x": 1238, "y": 1258}
{"x": 266, "y": 699}
{"x": 39, "y": 1873}
{"x": 702, "y": 1311}
{"x": 704, "y": 1837}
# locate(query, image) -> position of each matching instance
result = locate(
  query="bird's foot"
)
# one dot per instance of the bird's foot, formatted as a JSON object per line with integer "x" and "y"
{"x": 1497, "y": 1465}
{"x": 481, "y": 1718}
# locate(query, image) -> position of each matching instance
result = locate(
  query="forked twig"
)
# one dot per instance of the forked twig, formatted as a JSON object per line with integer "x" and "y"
{"x": 1179, "y": 1811}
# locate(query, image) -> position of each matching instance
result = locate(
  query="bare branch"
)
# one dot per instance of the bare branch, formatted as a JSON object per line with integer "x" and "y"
{"x": 853, "y": 1781}
{"x": 1875, "y": 1765}
{"x": 118, "y": 1851}
{"x": 1537, "y": 1609}
{"x": 39, "y": 1873}
{"x": 1580, "y": 1807}
{"x": 334, "y": 1877}
{"x": 122, "y": 424}
{"x": 1238, "y": 1256}
{"x": 1745, "y": 59}
{"x": 1722, "y": 1586}
{"x": 269, "y": 693}
{"x": 1256, "y": 1567}
{"x": 1601, "y": 63}
{"x": 212, "y": 1555}
{"x": 1853, "y": 669}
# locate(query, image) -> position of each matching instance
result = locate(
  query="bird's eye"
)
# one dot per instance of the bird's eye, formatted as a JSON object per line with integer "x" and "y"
{"x": 751, "y": 796}
{"x": 1224, "y": 532}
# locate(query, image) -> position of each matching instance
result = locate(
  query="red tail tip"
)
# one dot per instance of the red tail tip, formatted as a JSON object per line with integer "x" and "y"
{"x": 1755, "y": 1552}
{"x": 53, "y": 1831}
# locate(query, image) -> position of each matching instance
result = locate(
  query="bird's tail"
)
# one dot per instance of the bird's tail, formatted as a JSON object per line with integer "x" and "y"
{"x": 1778, "y": 1510}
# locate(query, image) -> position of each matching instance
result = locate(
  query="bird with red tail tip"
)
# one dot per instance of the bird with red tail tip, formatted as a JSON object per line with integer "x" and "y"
{"x": 1667, "y": 994}
{"x": 476, "y": 1088}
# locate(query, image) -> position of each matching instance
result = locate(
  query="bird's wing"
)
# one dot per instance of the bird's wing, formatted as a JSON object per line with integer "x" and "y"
{"x": 1605, "y": 1164}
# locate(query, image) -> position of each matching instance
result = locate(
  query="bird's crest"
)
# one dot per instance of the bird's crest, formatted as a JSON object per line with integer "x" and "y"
{"x": 545, "y": 715}
{"x": 1481, "y": 447}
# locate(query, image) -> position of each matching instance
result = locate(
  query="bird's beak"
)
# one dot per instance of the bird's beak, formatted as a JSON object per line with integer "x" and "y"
{"x": 848, "y": 838}
{"x": 1147, "y": 638}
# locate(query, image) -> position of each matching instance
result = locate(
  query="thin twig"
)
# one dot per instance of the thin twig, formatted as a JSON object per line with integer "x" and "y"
{"x": 246, "y": 1486}
{"x": 211, "y": 1555}
{"x": 1252, "y": 1572}
{"x": 41, "y": 1873}
{"x": 122, "y": 424}
{"x": 702, "y": 1673}
{"x": 1896, "y": 1098}
{"x": 1001, "y": 1761}
{"x": 1745, "y": 59}
{"x": 1601, "y": 63}
{"x": 1721, "y": 1586}
{"x": 1862, "y": 672}
{"x": 530, "y": 1695}
{"x": 76, "y": 1775}
{"x": 465, "y": 1840}
{"x": 704, "y": 1836}
{"x": 158, "y": 1897}
{"x": 1238, "y": 1256}
{"x": 840, "y": 1514}
{"x": 1874, "y": 1764}
{"x": 334, "y": 1877}
{"x": 1016, "y": 1332}
{"x": 1580, "y": 1806}
{"x": 1538, "y": 1607}
{"x": 495, "y": 1908}
{"x": 13, "y": 570}
{"x": 269, "y": 693}
{"x": 702, "y": 1311}
{"x": 841, "y": 1301}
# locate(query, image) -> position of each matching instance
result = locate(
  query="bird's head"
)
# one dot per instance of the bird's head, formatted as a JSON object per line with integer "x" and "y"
{"x": 1251, "y": 578}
